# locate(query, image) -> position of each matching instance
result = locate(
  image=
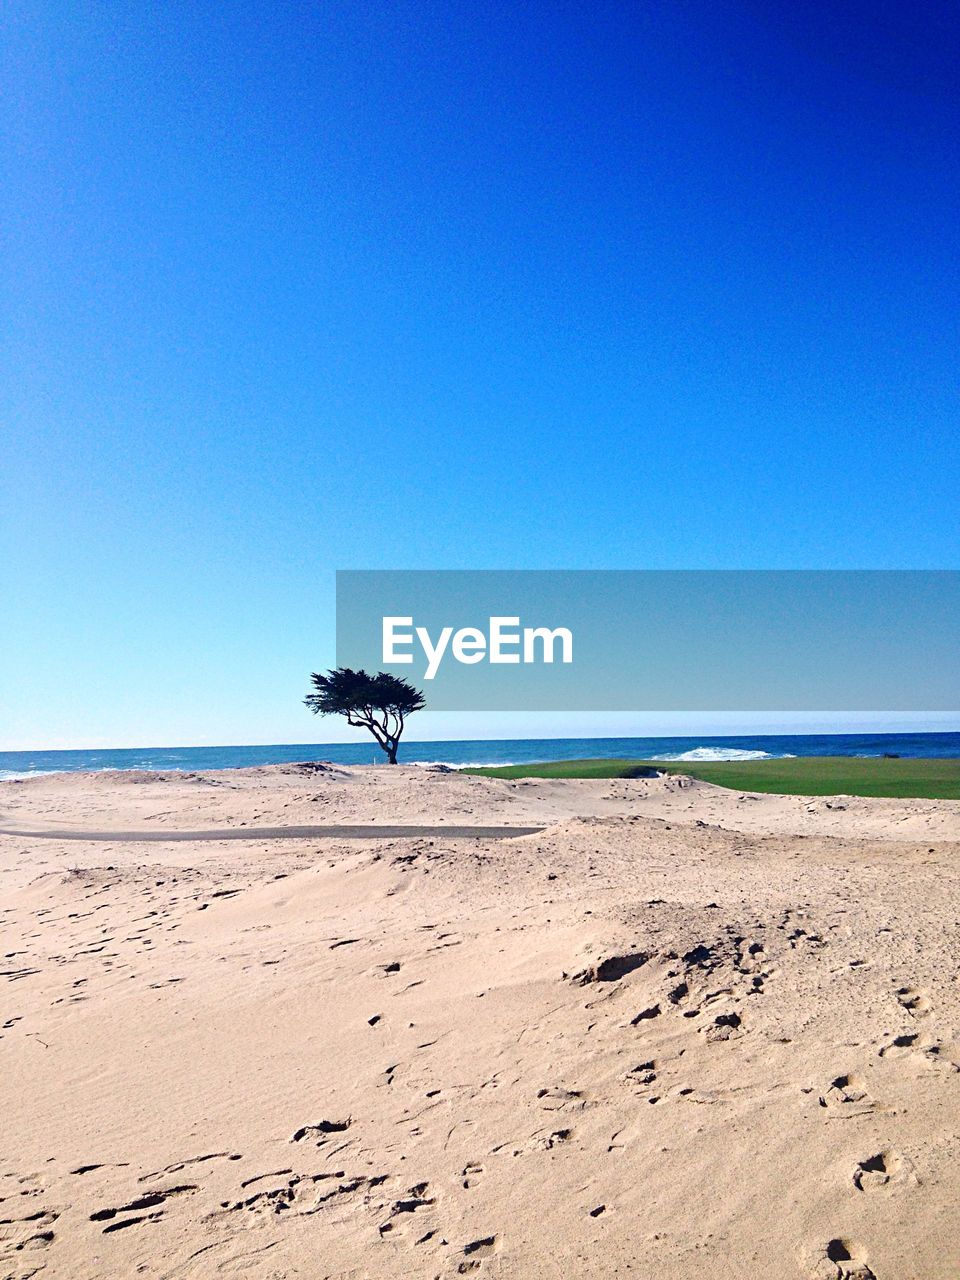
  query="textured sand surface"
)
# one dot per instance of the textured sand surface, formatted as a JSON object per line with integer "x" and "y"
{"x": 680, "y": 1032}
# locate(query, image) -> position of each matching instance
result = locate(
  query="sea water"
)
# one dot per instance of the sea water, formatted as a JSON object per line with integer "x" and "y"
{"x": 14, "y": 764}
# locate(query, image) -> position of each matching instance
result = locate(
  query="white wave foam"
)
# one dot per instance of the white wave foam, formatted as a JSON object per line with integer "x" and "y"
{"x": 465, "y": 764}
{"x": 722, "y": 753}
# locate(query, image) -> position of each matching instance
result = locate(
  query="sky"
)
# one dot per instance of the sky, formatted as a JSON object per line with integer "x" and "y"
{"x": 293, "y": 288}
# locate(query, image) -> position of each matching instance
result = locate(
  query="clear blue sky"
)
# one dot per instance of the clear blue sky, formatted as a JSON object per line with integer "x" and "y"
{"x": 296, "y": 287}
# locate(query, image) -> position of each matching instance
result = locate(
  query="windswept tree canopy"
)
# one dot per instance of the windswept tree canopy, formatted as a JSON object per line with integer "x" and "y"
{"x": 377, "y": 703}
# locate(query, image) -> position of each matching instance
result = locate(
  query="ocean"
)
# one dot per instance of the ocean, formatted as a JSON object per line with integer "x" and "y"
{"x": 20, "y": 764}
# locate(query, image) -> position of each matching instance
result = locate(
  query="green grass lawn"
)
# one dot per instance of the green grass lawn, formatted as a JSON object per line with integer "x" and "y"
{"x": 805, "y": 776}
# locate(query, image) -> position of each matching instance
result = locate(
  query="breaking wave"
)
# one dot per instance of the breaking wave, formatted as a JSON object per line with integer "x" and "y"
{"x": 723, "y": 753}
{"x": 13, "y": 775}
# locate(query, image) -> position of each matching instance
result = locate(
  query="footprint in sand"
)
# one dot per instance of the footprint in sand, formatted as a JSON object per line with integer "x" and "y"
{"x": 541, "y": 1140}
{"x": 915, "y": 1002}
{"x": 849, "y": 1094}
{"x": 406, "y": 1214}
{"x": 920, "y": 1046}
{"x": 561, "y": 1099}
{"x": 888, "y": 1170}
{"x": 642, "y": 1073}
{"x": 319, "y": 1133}
{"x": 611, "y": 968}
{"x": 145, "y": 1208}
{"x": 475, "y": 1253}
{"x": 178, "y": 1165}
{"x": 295, "y": 1195}
{"x": 724, "y": 1026}
{"x": 27, "y": 1235}
{"x": 842, "y": 1259}
{"x": 901, "y": 1044}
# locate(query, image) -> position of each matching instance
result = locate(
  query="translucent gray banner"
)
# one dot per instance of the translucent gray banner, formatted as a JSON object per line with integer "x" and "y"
{"x": 650, "y": 640}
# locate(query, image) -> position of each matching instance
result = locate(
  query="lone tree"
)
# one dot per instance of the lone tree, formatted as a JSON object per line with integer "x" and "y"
{"x": 379, "y": 703}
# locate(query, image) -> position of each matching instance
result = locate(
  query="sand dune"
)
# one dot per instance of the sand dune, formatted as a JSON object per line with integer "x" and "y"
{"x": 679, "y": 1032}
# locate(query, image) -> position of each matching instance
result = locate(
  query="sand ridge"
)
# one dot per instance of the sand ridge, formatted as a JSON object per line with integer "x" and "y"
{"x": 678, "y": 1032}
{"x": 314, "y": 792}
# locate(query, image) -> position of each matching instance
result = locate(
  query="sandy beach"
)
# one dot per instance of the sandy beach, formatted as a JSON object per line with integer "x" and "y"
{"x": 678, "y": 1031}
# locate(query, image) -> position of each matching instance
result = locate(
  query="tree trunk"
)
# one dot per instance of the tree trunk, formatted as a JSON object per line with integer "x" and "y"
{"x": 392, "y": 753}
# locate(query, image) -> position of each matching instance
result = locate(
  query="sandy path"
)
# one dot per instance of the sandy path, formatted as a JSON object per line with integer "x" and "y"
{"x": 367, "y": 831}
